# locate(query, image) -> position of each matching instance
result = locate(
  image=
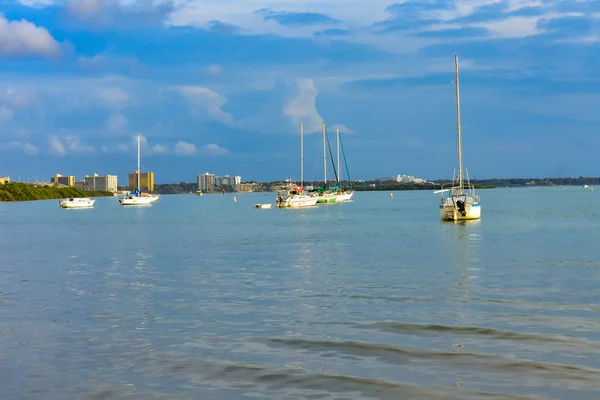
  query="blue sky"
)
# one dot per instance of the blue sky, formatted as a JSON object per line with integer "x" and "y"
{"x": 222, "y": 85}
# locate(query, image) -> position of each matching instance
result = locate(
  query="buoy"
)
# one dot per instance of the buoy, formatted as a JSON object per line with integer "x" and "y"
{"x": 234, "y": 199}
{"x": 591, "y": 189}
{"x": 391, "y": 194}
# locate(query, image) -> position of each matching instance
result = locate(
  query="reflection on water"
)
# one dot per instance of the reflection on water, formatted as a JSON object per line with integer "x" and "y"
{"x": 201, "y": 297}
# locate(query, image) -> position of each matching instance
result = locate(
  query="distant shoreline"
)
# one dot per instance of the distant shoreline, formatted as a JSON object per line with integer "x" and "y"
{"x": 181, "y": 188}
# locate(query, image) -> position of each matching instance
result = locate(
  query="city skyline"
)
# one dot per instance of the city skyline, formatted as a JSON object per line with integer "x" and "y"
{"x": 225, "y": 88}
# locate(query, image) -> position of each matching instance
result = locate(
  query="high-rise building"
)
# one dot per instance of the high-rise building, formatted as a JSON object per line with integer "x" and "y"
{"x": 63, "y": 180}
{"x": 146, "y": 181}
{"x": 106, "y": 183}
{"x": 206, "y": 182}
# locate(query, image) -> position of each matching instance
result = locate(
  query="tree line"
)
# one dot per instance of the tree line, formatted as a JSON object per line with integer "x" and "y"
{"x": 19, "y": 191}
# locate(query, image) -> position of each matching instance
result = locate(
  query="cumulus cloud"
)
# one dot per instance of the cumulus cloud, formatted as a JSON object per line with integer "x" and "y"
{"x": 302, "y": 107}
{"x": 113, "y": 96}
{"x": 68, "y": 144}
{"x": 213, "y": 150}
{"x": 25, "y": 147}
{"x": 22, "y": 38}
{"x": 208, "y": 100}
{"x": 159, "y": 149}
{"x": 185, "y": 149}
{"x": 56, "y": 146}
{"x": 343, "y": 128}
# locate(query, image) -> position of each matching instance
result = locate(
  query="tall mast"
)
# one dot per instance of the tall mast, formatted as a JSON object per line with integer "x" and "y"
{"x": 138, "y": 166}
{"x": 324, "y": 156}
{"x": 301, "y": 157}
{"x": 460, "y": 163}
{"x": 337, "y": 139}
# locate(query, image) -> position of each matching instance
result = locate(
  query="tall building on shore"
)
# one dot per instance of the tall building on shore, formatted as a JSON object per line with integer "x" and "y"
{"x": 206, "y": 182}
{"x": 63, "y": 180}
{"x": 106, "y": 183}
{"x": 146, "y": 181}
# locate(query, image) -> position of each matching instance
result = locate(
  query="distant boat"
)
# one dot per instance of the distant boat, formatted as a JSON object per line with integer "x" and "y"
{"x": 199, "y": 193}
{"x": 459, "y": 202}
{"x": 138, "y": 198}
{"x": 76, "y": 203}
{"x": 585, "y": 186}
{"x": 293, "y": 196}
{"x": 262, "y": 205}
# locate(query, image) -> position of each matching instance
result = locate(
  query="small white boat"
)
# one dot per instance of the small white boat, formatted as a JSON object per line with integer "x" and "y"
{"x": 199, "y": 193}
{"x": 262, "y": 205}
{"x": 585, "y": 186}
{"x": 137, "y": 200}
{"x": 76, "y": 203}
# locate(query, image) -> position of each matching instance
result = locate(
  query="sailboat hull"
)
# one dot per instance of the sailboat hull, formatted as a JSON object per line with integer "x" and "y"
{"x": 452, "y": 213}
{"x": 345, "y": 196}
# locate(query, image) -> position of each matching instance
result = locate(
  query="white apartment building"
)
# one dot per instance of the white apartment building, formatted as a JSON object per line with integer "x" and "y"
{"x": 107, "y": 183}
{"x": 206, "y": 182}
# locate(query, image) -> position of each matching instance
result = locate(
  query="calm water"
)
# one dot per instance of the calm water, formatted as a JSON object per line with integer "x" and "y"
{"x": 204, "y": 298}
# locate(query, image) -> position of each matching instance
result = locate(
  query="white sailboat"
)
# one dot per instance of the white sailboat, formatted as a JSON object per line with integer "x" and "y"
{"x": 138, "y": 198}
{"x": 459, "y": 202}
{"x": 293, "y": 196}
{"x": 324, "y": 194}
{"x": 343, "y": 194}
{"x": 77, "y": 203}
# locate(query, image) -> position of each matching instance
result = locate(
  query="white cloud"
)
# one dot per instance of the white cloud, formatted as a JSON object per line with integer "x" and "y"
{"x": 117, "y": 122}
{"x": 185, "y": 149}
{"x": 159, "y": 149}
{"x": 113, "y": 96}
{"x": 86, "y": 8}
{"x": 343, "y": 128}
{"x": 36, "y": 3}
{"x": 22, "y": 38}
{"x": 68, "y": 144}
{"x": 213, "y": 150}
{"x": 208, "y": 100}
{"x": 25, "y": 147}
{"x": 213, "y": 70}
{"x": 56, "y": 146}
{"x": 302, "y": 107}
{"x": 75, "y": 145}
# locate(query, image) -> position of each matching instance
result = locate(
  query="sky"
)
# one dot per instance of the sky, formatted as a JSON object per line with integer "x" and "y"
{"x": 221, "y": 86}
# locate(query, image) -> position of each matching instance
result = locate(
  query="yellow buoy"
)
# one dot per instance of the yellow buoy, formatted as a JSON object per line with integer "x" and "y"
{"x": 234, "y": 199}
{"x": 391, "y": 195}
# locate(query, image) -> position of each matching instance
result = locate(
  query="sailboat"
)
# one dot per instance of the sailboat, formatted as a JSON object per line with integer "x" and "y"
{"x": 293, "y": 196}
{"x": 459, "y": 202}
{"x": 138, "y": 198}
{"x": 325, "y": 194}
{"x": 342, "y": 194}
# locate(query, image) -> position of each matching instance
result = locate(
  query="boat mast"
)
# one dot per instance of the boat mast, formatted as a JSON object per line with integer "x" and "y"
{"x": 460, "y": 163}
{"x": 337, "y": 139}
{"x": 324, "y": 156}
{"x": 301, "y": 157}
{"x": 138, "y": 166}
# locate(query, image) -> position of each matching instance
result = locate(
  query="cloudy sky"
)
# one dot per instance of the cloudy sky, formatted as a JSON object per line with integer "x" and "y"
{"x": 222, "y": 85}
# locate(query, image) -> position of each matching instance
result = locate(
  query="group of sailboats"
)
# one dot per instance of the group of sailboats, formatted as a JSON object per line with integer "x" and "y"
{"x": 295, "y": 196}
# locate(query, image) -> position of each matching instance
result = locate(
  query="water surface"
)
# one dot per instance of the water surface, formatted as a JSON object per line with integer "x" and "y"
{"x": 206, "y": 298}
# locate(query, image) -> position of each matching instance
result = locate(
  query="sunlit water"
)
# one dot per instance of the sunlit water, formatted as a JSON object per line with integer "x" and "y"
{"x": 207, "y": 298}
